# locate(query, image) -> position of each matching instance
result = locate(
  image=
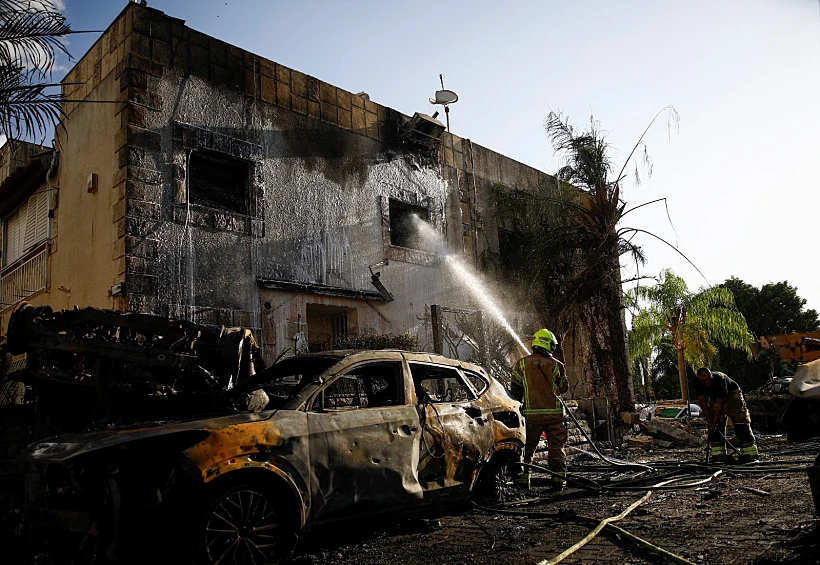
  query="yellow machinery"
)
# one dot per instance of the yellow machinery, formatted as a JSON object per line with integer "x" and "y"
{"x": 802, "y": 416}
{"x": 788, "y": 348}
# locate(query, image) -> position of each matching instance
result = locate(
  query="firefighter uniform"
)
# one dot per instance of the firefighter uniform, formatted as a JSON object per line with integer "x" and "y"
{"x": 539, "y": 379}
{"x": 725, "y": 399}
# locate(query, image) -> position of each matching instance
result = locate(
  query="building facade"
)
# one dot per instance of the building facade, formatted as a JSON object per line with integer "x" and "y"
{"x": 194, "y": 179}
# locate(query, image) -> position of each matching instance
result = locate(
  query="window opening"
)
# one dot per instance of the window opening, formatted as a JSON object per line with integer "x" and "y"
{"x": 403, "y": 230}
{"x": 26, "y": 227}
{"x": 338, "y": 327}
{"x": 328, "y": 325}
{"x": 478, "y": 382}
{"x": 439, "y": 384}
{"x": 217, "y": 180}
{"x": 372, "y": 385}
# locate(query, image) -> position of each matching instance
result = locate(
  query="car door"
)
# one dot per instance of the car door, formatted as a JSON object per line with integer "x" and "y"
{"x": 455, "y": 436}
{"x": 363, "y": 435}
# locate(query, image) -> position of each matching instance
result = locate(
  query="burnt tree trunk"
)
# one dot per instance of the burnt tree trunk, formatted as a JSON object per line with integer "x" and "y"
{"x": 608, "y": 364}
{"x": 600, "y": 317}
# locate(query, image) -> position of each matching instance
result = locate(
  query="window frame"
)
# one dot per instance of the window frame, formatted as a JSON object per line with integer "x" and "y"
{"x": 435, "y": 217}
{"x": 39, "y": 241}
{"x": 479, "y": 393}
{"x": 215, "y": 154}
{"x": 319, "y": 395}
{"x": 460, "y": 375}
{"x": 189, "y": 138}
{"x": 409, "y": 208}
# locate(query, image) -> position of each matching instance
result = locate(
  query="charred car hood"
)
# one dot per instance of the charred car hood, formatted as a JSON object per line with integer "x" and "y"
{"x": 61, "y": 448}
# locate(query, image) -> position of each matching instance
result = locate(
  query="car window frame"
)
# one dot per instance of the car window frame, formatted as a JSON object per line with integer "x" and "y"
{"x": 457, "y": 369}
{"x": 480, "y": 377}
{"x": 318, "y": 395}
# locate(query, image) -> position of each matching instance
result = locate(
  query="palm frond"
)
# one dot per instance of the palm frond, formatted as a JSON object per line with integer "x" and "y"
{"x": 672, "y": 120}
{"x": 26, "y": 109}
{"x": 648, "y": 327}
{"x": 30, "y": 34}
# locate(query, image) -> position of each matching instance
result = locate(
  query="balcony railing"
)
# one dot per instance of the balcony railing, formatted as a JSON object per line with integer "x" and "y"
{"x": 23, "y": 280}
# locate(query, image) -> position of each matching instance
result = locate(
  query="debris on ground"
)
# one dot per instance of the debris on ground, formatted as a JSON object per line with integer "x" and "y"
{"x": 702, "y": 526}
{"x": 639, "y": 442}
{"x": 672, "y": 431}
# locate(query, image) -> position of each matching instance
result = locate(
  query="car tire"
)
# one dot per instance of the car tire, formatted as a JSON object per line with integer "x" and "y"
{"x": 243, "y": 522}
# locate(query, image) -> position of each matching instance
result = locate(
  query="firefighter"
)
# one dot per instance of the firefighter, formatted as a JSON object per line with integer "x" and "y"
{"x": 719, "y": 397}
{"x": 537, "y": 381}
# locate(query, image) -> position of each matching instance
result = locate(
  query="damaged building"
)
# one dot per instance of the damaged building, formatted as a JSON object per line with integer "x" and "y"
{"x": 223, "y": 188}
{"x": 195, "y": 187}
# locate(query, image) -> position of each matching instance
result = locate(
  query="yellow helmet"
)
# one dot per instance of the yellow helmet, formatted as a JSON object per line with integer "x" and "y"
{"x": 544, "y": 339}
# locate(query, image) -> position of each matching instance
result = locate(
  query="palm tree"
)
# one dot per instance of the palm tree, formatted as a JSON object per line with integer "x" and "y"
{"x": 567, "y": 248}
{"x": 694, "y": 322}
{"x": 30, "y": 38}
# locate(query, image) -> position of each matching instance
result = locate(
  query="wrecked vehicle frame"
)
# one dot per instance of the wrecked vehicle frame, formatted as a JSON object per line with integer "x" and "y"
{"x": 333, "y": 436}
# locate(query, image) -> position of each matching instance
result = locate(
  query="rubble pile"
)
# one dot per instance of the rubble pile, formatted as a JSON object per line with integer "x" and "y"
{"x": 663, "y": 433}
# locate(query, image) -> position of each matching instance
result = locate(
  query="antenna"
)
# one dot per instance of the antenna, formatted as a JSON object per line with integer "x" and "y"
{"x": 445, "y": 98}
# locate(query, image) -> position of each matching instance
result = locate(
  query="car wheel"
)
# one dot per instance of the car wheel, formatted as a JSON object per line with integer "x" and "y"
{"x": 245, "y": 523}
{"x": 814, "y": 483}
{"x": 493, "y": 480}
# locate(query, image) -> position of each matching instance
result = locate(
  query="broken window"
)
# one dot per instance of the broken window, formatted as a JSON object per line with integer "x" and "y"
{"x": 439, "y": 384}
{"x": 371, "y": 385}
{"x": 289, "y": 376}
{"x": 403, "y": 228}
{"x": 478, "y": 382}
{"x": 217, "y": 180}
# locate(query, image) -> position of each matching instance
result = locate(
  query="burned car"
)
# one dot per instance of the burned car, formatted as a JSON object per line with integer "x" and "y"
{"x": 311, "y": 441}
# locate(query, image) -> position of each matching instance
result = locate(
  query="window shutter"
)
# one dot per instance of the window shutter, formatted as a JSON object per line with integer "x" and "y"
{"x": 27, "y": 227}
{"x": 15, "y": 226}
{"x": 41, "y": 228}
{"x": 30, "y": 233}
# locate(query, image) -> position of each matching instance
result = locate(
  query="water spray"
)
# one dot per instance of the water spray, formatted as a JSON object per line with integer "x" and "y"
{"x": 468, "y": 279}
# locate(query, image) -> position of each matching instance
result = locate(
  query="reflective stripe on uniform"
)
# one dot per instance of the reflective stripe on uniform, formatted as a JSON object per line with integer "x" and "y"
{"x": 522, "y": 479}
{"x": 751, "y": 450}
{"x": 523, "y": 366}
{"x": 533, "y": 411}
{"x": 559, "y": 477}
{"x": 718, "y": 450}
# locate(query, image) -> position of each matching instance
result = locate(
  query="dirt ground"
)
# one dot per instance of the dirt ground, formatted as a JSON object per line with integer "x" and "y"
{"x": 717, "y": 524}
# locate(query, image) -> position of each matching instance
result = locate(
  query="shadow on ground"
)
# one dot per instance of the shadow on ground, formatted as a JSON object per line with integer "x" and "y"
{"x": 802, "y": 550}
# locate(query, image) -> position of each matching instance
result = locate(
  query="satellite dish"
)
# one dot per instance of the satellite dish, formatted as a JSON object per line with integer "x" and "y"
{"x": 444, "y": 97}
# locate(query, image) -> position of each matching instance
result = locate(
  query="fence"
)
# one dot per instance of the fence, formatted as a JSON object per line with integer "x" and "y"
{"x": 29, "y": 277}
{"x": 468, "y": 335}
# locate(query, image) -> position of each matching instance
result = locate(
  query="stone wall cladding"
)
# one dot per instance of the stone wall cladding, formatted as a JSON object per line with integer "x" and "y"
{"x": 138, "y": 212}
{"x": 159, "y": 41}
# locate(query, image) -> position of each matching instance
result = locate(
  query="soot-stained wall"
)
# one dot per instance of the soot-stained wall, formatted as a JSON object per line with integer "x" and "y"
{"x": 322, "y": 165}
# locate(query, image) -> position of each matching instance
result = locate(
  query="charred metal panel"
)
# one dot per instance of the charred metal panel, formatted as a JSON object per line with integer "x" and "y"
{"x": 364, "y": 460}
{"x": 100, "y": 368}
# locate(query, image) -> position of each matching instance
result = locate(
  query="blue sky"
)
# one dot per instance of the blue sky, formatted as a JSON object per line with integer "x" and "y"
{"x": 740, "y": 174}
